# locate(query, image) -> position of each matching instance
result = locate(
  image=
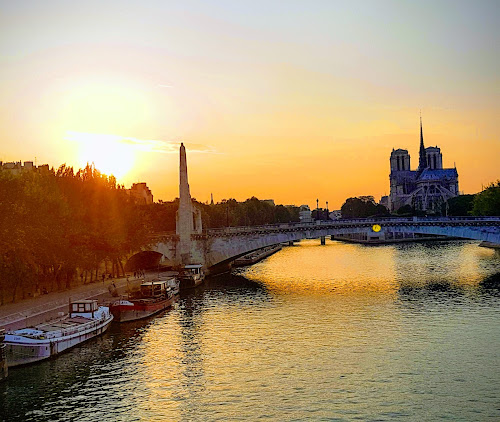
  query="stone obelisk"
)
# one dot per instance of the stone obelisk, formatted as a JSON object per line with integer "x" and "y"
{"x": 185, "y": 213}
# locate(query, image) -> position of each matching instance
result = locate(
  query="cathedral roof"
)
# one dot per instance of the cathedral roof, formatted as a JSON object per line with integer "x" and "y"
{"x": 437, "y": 174}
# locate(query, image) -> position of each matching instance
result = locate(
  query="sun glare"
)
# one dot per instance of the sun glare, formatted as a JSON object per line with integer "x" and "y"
{"x": 109, "y": 153}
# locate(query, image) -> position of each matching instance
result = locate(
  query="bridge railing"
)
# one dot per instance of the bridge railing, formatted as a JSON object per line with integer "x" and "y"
{"x": 350, "y": 222}
{"x": 344, "y": 222}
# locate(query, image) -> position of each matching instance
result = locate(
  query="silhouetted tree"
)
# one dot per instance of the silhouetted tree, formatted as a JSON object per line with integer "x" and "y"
{"x": 459, "y": 205}
{"x": 56, "y": 224}
{"x": 487, "y": 202}
{"x": 362, "y": 207}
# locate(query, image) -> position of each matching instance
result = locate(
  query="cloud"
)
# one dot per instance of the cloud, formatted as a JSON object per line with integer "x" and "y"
{"x": 144, "y": 145}
{"x": 165, "y": 86}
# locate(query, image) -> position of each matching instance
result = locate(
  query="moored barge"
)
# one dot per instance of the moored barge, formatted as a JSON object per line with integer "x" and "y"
{"x": 191, "y": 276}
{"x": 155, "y": 296}
{"x": 84, "y": 321}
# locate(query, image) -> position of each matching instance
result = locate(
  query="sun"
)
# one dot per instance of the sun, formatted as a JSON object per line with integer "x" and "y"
{"x": 111, "y": 154}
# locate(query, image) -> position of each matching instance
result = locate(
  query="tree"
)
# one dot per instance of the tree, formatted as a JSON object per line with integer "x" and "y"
{"x": 58, "y": 223}
{"x": 487, "y": 202}
{"x": 459, "y": 205}
{"x": 362, "y": 207}
{"x": 407, "y": 210}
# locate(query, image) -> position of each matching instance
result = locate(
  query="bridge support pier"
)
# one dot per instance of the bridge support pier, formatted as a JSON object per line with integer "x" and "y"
{"x": 323, "y": 240}
{"x": 290, "y": 243}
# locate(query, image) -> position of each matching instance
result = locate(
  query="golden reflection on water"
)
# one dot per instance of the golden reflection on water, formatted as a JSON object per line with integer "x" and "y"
{"x": 325, "y": 336}
{"x": 339, "y": 268}
{"x": 334, "y": 332}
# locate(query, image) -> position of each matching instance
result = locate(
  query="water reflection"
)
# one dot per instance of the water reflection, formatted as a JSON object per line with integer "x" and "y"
{"x": 335, "y": 268}
{"x": 334, "y": 332}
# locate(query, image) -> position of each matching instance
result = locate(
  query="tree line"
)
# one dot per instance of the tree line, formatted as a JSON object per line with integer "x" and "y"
{"x": 60, "y": 228}
{"x": 227, "y": 213}
{"x": 486, "y": 202}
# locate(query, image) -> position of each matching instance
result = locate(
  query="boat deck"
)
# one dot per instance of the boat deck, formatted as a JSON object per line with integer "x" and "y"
{"x": 64, "y": 322}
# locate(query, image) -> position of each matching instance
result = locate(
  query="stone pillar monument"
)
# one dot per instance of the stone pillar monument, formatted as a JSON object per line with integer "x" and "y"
{"x": 184, "y": 226}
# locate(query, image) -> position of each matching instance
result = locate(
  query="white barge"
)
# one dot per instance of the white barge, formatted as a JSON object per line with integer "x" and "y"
{"x": 84, "y": 321}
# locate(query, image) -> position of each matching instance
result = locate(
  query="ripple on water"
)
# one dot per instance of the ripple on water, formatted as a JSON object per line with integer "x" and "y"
{"x": 340, "y": 332}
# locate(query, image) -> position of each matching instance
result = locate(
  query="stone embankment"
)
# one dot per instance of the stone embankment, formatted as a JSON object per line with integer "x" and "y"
{"x": 34, "y": 311}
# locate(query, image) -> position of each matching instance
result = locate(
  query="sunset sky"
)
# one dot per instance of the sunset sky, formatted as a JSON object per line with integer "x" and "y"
{"x": 290, "y": 100}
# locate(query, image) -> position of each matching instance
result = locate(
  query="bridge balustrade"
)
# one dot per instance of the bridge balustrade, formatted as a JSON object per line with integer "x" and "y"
{"x": 358, "y": 222}
{"x": 343, "y": 223}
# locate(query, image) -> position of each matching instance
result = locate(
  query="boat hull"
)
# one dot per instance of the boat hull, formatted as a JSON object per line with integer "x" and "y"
{"x": 22, "y": 350}
{"x": 190, "y": 282}
{"x": 126, "y": 313}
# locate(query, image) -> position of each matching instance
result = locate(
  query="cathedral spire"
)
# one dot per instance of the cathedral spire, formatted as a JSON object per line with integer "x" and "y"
{"x": 422, "y": 161}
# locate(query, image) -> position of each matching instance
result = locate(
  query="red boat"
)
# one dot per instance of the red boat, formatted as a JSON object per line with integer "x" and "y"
{"x": 155, "y": 296}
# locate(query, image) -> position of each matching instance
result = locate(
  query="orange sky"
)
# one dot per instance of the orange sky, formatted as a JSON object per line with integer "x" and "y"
{"x": 292, "y": 102}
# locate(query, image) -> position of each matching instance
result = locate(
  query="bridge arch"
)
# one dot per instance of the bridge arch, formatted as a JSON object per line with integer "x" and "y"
{"x": 143, "y": 260}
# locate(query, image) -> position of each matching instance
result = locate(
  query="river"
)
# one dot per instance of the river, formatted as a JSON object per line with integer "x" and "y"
{"x": 338, "y": 332}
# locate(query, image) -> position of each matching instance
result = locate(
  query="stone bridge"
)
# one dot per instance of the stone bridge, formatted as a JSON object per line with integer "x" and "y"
{"x": 216, "y": 246}
{"x": 193, "y": 245}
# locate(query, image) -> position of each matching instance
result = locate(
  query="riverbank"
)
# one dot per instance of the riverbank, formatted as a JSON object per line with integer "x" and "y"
{"x": 32, "y": 311}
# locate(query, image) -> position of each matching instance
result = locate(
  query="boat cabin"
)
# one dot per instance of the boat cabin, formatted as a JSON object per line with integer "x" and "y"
{"x": 192, "y": 269}
{"x": 84, "y": 308}
{"x": 154, "y": 288}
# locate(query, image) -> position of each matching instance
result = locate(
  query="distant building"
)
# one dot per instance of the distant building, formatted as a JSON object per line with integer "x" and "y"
{"x": 384, "y": 200}
{"x": 141, "y": 194}
{"x": 269, "y": 201}
{"x": 335, "y": 215}
{"x": 18, "y": 167}
{"x": 305, "y": 215}
{"x": 426, "y": 188}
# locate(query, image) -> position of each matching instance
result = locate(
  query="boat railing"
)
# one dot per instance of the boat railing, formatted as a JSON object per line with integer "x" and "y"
{"x": 2, "y": 344}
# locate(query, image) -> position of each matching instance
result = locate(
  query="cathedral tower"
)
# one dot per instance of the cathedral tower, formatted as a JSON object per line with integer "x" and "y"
{"x": 422, "y": 158}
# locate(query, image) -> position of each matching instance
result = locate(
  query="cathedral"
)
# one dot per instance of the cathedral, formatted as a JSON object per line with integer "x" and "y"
{"x": 426, "y": 188}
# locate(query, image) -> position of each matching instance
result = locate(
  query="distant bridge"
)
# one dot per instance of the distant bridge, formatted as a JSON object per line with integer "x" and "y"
{"x": 193, "y": 245}
{"x": 215, "y": 246}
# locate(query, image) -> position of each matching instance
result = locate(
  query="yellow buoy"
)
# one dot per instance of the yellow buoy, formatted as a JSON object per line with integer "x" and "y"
{"x": 376, "y": 228}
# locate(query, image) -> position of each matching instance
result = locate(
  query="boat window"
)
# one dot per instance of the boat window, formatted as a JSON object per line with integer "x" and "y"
{"x": 78, "y": 307}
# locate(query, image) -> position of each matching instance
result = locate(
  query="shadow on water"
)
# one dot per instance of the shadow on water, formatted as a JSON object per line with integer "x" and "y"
{"x": 436, "y": 289}
{"x": 222, "y": 290}
{"x": 29, "y": 390}
{"x": 234, "y": 282}
{"x": 231, "y": 288}
{"x": 491, "y": 285}
{"x": 438, "y": 292}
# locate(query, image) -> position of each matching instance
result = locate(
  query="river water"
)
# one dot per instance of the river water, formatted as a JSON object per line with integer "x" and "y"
{"x": 336, "y": 332}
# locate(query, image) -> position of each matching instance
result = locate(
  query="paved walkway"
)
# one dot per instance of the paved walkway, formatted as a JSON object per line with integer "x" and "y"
{"x": 37, "y": 310}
